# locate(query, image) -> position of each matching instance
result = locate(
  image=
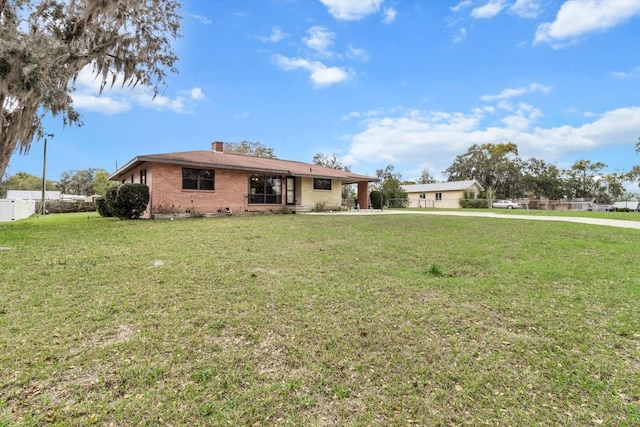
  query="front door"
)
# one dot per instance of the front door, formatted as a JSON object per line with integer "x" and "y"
{"x": 291, "y": 190}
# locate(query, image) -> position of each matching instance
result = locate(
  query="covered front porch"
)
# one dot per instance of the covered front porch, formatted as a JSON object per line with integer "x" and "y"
{"x": 305, "y": 194}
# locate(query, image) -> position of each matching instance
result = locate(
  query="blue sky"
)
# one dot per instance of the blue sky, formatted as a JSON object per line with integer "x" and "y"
{"x": 378, "y": 82}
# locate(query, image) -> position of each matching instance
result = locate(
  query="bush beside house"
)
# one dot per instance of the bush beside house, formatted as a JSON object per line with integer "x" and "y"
{"x": 127, "y": 201}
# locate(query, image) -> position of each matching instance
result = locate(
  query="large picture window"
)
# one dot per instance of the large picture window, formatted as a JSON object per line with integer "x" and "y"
{"x": 321, "y": 184}
{"x": 198, "y": 179}
{"x": 265, "y": 189}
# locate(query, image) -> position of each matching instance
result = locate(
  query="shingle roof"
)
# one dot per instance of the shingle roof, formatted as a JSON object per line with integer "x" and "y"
{"x": 215, "y": 159}
{"x": 442, "y": 186}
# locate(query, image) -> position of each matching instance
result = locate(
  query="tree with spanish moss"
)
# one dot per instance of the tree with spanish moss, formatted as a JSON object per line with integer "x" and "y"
{"x": 45, "y": 44}
{"x": 496, "y": 167}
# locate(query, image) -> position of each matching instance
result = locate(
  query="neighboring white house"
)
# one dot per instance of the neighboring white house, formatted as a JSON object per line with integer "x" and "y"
{"x": 35, "y": 195}
{"x": 441, "y": 194}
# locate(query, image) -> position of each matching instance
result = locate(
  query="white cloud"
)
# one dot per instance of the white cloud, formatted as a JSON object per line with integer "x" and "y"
{"x": 320, "y": 74}
{"x": 276, "y": 35}
{"x": 320, "y": 40}
{"x": 196, "y": 93}
{"x": 352, "y": 10}
{"x": 100, "y": 104}
{"x": 513, "y": 92}
{"x": 577, "y": 18}
{"x": 522, "y": 117}
{"x": 118, "y": 99}
{"x": 489, "y": 10}
{"x": 159, "y": 102}
{"x": 389, "y": 15}
{"x": 462, "y": 34}
{"x": 359, "y": 54}
{"x": 359, "y": 115}
{"x": 202, "y": 19}
{"x": 437, "y": 137}
{"x": 526, "y": 8}
{"x": 462, "y": 5}
{"x": 633, "y": 74}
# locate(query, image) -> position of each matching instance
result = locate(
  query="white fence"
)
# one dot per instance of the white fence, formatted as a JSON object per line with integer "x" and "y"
{"x": 13, "y": 210}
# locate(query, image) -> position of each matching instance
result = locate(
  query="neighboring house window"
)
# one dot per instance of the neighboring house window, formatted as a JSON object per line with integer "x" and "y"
{"x": 143, "y": 176}
{"x": 321, "y": 184}
{"x": 198, "y": 179}
{"x": 132, "y": 178}
{"x": 423, "y": 196}
{"x": 439, "y": 197}
{"x": 265, "y": 189}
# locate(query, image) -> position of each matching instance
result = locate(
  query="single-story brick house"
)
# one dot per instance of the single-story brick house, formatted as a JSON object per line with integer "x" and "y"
{"x": 441, "y": 194}
{"x": 213, "y": 181}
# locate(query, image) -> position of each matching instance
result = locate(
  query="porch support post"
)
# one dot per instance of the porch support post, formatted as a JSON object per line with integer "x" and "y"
{"x": 363, "y": 195}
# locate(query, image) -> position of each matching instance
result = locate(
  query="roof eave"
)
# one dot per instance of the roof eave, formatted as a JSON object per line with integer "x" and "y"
{"x": 142, "y": 159}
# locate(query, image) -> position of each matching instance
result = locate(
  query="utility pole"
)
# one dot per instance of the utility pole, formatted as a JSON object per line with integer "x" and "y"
{"x": 44, "y": 173}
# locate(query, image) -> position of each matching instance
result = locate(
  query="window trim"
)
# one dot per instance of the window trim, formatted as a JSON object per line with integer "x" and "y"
{"x": 438, "y": 197}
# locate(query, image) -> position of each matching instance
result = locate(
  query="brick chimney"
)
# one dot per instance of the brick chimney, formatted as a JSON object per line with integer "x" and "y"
{"x": 217, "y": 146}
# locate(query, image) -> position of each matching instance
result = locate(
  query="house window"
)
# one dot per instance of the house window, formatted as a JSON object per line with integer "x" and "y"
{"x": 198, "y": 179}
{"x": 143, "y": 176}
{"x": 265, "y": 189}
{"x": 423, "y": 196}
{"x": 438, "y": 197}
{"x": 321, "y": 184}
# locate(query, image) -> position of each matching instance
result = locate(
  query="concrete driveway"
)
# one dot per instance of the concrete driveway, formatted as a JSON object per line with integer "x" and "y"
{"x": 495, "y": 215}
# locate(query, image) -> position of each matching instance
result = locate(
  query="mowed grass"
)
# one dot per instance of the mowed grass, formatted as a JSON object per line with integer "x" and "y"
{"x": 318, "y": 320}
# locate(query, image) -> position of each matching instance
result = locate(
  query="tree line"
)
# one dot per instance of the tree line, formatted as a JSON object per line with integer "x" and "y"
{"x": 497, "y": 167}
{"x": 85, "y": 182}
{"x": 503, "y": 174}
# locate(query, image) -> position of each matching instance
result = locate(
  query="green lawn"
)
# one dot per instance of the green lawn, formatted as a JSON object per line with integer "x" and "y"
{"x": 318, "y": 320}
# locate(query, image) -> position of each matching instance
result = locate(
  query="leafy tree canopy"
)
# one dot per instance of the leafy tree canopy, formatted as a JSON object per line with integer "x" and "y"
{"x": 44, "y": 44}
{"x": 584, "y": 178}
{"x": 22, "y": 181}
{"x": 249, "y": 148}
{"x": 426, "y": 178}
{"x": 84, "y": 182}
{"x": 389, "y": 187}
{"x": 330, "y": 161}
{"x": 494, "y": 166}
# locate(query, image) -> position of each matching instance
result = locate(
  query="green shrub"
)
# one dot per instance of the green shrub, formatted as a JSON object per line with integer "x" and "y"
{"x": 320, "y": 207}
{"x": 110, "y": 200}
{"x": 474, "y": 203}
{"x": 376, "y": 199}
{"x": 127, "y": 201}
{"x": 132, "y": 201}
{"x": 101, "y": 206}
